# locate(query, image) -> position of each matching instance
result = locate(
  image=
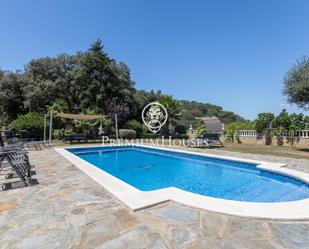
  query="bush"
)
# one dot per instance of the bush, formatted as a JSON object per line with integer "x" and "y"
{"x": 180, "y": 136}
{"x": 32, "y": 122}
{"x": 181, "y": 129}
{"x": 127, "y": 134}
{"x": 150, "y": 135}
{"x": 229, "y": 136}
{"x": 134, "y": 125}
{"x": 200, "y": 129}
{"x": 59, "y": 134}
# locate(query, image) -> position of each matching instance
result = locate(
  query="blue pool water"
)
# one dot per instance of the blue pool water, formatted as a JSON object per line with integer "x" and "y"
{"x": 151, "y": 169}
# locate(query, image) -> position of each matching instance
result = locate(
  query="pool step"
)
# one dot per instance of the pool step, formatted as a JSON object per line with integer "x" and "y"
{"x": 242, "y": 193}
{"x": 300, "y": 192}
{"x": 256, "y": 192}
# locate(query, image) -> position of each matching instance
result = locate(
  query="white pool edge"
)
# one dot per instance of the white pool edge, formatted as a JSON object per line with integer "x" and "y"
{"x": 137, "y": 199}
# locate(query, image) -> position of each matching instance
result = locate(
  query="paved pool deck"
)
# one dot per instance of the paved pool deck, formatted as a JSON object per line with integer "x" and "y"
{"x": 67, "y": 209}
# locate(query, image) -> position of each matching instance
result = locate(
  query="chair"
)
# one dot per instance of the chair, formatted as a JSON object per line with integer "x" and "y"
{"x": 213, "y": 127}
{"x": 18, "y": 160}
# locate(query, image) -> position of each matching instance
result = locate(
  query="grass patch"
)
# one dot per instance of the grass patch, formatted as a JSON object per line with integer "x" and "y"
{"x": 286, "y": 151}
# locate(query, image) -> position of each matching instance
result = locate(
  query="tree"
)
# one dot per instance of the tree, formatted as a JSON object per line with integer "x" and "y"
{"x": 296, "y": 83}
{"x": 306, "y": 122}
{"x": 41, "y": 77}
{"x": 283, "y": 120}
{"x": 297, "y": 121}
{"x": 69, "y": 88}
{"x": 93, "y": 75}
{"x": 263, "y": 121}
{"x": 228, "y": 117}
{"x": 140, "y": 99}
{"x": 240, "y": 125}
{"x": 120, "y": 109}
{"x": 134, "y": 125}
{"x": 85, "y": 80}
{"x": 102, "y": 79}
{"x": 89, "y": 80}
{"x": 11, "y": 96}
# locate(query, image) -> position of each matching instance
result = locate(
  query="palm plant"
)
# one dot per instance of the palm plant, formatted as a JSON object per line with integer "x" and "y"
{"x": 173, "y": 108}
{"x": 59, "y": 105}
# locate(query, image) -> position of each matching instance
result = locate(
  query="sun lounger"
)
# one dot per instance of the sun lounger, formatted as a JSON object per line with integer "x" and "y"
{"x": 196, "y": 143}
{"x": 28, "y": 141}
{"x": 206, "y": 141}
{"x": 19, "y": 162}
{"x": 212, "y": 138}
{"x": 25, "y": 140}
{"x": 1, "y": 141}
{"x": 76, "y": 137}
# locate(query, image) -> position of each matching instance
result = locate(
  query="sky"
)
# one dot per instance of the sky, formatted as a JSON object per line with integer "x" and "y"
{"x": 229, "y": 53}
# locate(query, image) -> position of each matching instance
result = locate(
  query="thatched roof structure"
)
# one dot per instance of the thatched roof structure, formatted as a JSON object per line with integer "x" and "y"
{"x": 212, "y": 124}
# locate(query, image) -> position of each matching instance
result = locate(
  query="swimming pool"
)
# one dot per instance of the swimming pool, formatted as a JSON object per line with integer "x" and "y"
{"x": 150, "y": 169}
{"x": 142, "y": 176}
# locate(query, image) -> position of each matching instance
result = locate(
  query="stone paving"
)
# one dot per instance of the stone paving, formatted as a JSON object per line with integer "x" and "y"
{"x": 67, "y": 209}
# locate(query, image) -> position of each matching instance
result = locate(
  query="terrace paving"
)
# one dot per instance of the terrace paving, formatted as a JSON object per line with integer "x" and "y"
{"x": 67, "y": 209}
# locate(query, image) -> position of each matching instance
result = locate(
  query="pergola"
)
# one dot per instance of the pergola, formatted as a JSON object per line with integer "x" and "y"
{"x": 74, "y": 117}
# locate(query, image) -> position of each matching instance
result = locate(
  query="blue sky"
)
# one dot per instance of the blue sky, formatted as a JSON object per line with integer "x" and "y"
{"x": 229, "y": 53}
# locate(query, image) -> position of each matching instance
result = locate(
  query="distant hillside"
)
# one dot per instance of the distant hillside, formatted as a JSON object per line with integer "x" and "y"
{"x": 193, "y": 109}
{"x": 189, "y": 109}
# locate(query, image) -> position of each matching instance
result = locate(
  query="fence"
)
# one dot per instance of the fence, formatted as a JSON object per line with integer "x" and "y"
{"x": 304, "y": 134}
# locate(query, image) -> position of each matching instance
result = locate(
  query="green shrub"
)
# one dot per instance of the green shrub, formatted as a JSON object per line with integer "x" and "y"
{"x": 32, "y": 122}
{"x": 229, "y": 136}
{"x": 127, "y": 134}
{"x": 134, "y": 125}
{"x": 59, "y": 134}
{"x": 200, "y": 129}
{"x": 232, "y": 135}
